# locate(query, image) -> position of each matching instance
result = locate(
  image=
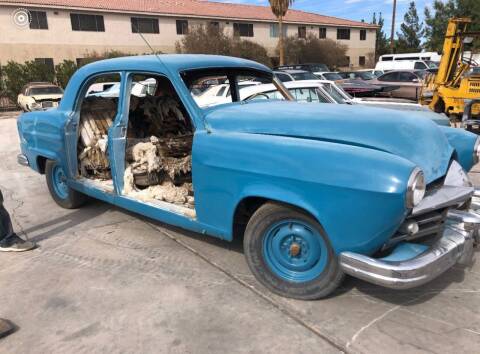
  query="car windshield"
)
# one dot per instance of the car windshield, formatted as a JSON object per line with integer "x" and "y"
{"x": 332, "y": 76}
{"x": 318, "y": 67}
{"x": 228, "y": 81}
{"x": 304, "y": 76}
{"x": 365, "y": 75}
{"x": 46, "y": 90}
{"x": 335, "y": 93}
{"x": 431, "y": 64}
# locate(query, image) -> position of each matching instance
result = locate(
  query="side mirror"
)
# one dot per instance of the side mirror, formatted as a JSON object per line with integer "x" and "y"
{"x": 415, "y": 80}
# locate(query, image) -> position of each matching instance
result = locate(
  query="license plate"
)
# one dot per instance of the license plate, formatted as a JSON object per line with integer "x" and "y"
{"x": 47, "y": 104}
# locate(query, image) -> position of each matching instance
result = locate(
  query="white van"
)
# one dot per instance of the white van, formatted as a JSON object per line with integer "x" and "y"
{"x": 408, "y": 61}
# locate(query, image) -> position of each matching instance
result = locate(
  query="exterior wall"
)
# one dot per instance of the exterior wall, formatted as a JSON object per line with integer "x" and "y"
{"x": 61, "y": 42}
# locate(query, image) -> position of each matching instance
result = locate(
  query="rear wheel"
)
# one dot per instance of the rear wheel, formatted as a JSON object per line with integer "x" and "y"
{"x": 61, "y": 193}
{"x": 288, "y": 252}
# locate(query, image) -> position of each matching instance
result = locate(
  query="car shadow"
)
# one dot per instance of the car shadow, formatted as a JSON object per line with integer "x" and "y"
{"x": 58, "y": 225}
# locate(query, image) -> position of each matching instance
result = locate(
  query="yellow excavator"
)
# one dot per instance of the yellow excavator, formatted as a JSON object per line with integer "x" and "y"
{"x": 454, "y": 90}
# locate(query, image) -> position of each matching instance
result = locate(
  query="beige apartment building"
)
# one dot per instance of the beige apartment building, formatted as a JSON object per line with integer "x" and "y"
{"x": 68, "y": 29}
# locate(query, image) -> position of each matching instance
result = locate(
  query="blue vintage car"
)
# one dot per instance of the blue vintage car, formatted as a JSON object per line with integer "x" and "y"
{"x": 315, "y": 191}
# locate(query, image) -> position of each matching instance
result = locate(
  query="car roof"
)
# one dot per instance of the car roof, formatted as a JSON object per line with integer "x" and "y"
{"x": 294, "y": 71}
{"x": 178, "y": 62}
{"x": 39, "y": 83}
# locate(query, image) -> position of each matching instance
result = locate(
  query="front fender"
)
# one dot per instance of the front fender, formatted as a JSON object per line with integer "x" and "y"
{"x": 356, "y": 193}
{"x": 463, "y": 142}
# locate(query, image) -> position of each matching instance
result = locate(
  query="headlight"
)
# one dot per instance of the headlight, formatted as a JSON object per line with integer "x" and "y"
{"x": 415, "y": 188}
{"x": 476, "y": 151}
{"x": 36, "y": 105}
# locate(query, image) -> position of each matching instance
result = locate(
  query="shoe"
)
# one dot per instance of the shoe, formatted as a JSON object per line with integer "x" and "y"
{"x": 6, "y": 328}
{"x": 16, "y": 244}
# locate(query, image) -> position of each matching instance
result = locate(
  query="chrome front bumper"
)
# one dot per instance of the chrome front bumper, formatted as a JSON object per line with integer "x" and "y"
{"x": 22, "y": 160}
{"x": 455, "y": 246}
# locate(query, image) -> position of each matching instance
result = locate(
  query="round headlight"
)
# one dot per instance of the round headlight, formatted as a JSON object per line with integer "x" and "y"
{"x": 415, "y": 188}
{"x": 476, "y": 151}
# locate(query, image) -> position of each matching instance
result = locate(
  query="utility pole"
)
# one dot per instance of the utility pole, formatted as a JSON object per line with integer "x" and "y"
{"x": 392, "y": 35}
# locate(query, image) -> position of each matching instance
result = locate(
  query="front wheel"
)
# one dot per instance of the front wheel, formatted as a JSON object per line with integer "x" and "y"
{"x": 61, "y": 193}
{"x": 289, "y": 253}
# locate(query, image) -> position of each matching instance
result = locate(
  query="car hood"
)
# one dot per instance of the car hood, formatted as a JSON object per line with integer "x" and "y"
{"x": 395, "y": 132}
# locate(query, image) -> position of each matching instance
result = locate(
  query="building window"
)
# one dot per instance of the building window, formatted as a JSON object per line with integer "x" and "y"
{"x": 48, "y": 62}
{"x": 361, "y": 60}
{"x": 363, "y": 35}
{"x": 144, "y": 25}
{"x": 215, "y": 24}
{"x": 182, "y": 27}
{"x": 92, "y": 23}
{"x": 322, "y": 33}
{"x": 38, "y": 20}
{"x": 243, "y": 29}
{"x": 343, "y": 33}
{"x": 347, "y": 61}
{"x": 275, "y": 30}
{"x": 302, "y": 32}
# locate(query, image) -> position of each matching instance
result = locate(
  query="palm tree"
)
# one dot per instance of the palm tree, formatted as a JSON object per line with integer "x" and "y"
{"x": 279, "y": 9}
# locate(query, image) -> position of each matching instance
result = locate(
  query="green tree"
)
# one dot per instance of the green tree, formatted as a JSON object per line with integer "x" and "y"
{"x": 279, "y": 9}
{"x": 436, "y": 24}
{"x": 381, "y": 42}
{"x": 409, "y": 39}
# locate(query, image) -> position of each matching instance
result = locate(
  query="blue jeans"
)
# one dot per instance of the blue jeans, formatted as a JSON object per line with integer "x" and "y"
{"x": 6, "y": 228}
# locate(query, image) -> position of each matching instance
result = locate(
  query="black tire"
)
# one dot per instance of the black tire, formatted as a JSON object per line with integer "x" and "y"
{"x": 261, "y": 221}
{"x": 72, "y": 199}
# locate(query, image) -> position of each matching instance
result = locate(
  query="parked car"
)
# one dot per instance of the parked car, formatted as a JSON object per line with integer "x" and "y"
{"x": 357, "y": 75}
{"x": 39, "y": 96}
{"x": 219, "y": 94}
{"x": 389, "y": 65}
{"x": 295, "y": 75}
{"x": 322, "y": 91}
{"x": 355, "y": 87}
{"x": 343, "y": 190}
{"x": 312, "y": 67}
{"x": 409, "y": 83}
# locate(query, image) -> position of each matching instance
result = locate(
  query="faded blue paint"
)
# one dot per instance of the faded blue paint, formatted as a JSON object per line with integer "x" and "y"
{"x": 347, "y": 166}
{"x": 462, "y": 141}
{"x": 405, "y": 251}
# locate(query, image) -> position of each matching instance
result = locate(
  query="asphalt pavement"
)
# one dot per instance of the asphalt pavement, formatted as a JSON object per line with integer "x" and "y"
{"x": 107, "y": 280}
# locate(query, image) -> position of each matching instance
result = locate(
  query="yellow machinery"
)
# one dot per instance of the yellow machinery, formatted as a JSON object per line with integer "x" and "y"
{"x": 453, "y": 85}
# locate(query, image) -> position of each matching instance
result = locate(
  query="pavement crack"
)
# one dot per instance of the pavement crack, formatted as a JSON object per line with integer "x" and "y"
{"x": 293, "y": 316}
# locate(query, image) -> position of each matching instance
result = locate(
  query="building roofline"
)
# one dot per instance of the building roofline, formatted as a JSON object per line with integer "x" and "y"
{"x": 56, "y": 6}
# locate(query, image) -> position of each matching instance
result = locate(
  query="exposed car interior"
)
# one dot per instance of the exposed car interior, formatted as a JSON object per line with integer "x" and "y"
{"x": 158, "y": 140}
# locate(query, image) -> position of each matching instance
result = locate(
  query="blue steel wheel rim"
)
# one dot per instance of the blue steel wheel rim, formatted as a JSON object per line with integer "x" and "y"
{"x": 295, "y": 251}
{"x": 60, "y": 182}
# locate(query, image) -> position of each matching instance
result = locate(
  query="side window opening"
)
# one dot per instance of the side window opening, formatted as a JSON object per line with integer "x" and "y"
{"x": 97, "y": 112}
{"x": 158, "y": 152}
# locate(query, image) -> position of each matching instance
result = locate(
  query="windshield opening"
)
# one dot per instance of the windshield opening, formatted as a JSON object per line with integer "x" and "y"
{"x": 332, "y": 76}
{"x": 216, "y": 86}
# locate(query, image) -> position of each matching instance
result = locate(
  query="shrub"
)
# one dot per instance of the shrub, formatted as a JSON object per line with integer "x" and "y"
{"x": 213, "y": 40}
{"x": 64, "y": 72}
{"x": 314, "y": 50}
{"x": 17, "y": 75}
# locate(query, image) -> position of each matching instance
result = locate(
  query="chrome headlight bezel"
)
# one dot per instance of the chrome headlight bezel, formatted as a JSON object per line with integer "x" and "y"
{"x": 476, "y": 151}
{"x": 416, "y": 187}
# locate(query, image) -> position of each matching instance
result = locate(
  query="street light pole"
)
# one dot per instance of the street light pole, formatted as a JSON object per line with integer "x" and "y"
{"x": 392, "y": 35}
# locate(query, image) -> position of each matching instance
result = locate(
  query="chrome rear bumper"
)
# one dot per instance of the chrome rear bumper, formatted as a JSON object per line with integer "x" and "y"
{"x": 455, "y": 246}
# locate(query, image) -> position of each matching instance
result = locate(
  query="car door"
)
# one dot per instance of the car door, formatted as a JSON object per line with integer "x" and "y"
{"x": 388, "y": 79}
{"x": 409, "y": 85}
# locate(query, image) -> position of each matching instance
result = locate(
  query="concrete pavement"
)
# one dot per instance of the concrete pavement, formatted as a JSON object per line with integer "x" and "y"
{"x": 104, "y": 279}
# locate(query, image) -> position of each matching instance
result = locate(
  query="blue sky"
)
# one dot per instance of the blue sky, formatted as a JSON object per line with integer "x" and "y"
{"x": 352, "y": 9}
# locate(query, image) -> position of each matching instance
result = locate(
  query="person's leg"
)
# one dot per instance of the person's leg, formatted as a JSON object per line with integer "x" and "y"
{"x": 9, "y": 241}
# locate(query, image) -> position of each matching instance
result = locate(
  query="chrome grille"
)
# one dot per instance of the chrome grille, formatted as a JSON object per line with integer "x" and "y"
{"x": 429, "y": 224}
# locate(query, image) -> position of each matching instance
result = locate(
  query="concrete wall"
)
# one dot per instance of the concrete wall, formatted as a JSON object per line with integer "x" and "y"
{"x": 60, "y": 42}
